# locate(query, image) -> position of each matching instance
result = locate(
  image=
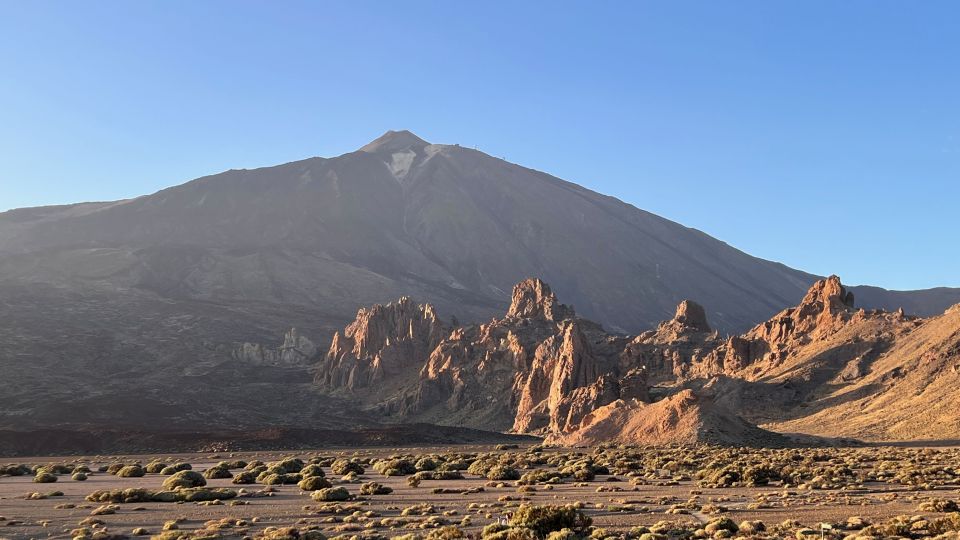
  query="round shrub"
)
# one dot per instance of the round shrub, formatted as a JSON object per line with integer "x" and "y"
{"x": 217, "y": 471}
{"x": 245, "y": 477}
{"x": 426, "y": 464}
{"x": 314, "y": 483}
{"x": 373, "y": 488}
{"x": 513, "y": 533}
{"x": 344, "y": 466}
{"x": 332, "y": 494}
{"x": 543, "y": 520}
{"x": 131, "y": 471}
{"x": 449, "y": 532}
{"x": 155, "y": 467}
{"x": 584, "y": 475}
{"x": 394, "y": 467}
{"x": 287, "y": 466}
{"x": 79, "y": 476}
{"x": 15, "y": 470}
{"x": 175, "y": 468}
{"x": 184, "y": 479}
{"x": 278, "y": 479}
{"x": 55, "y": 468}
{"x": 312, "y": 470}
{"x": 45, "y": 478}
{"x": 503, "y": 472}
{"x": 563, "y": 534}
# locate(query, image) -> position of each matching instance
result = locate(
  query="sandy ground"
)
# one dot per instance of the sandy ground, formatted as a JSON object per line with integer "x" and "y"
{"x": 55, "y": 517}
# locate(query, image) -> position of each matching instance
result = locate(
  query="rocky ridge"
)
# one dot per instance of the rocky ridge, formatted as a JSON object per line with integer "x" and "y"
{"x": 542, "y": 370}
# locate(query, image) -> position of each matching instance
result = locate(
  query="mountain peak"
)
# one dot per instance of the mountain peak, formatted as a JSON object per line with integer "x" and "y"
{"x": 394, "y": 141}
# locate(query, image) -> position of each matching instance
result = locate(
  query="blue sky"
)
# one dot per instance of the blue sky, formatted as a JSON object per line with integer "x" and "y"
{"x": 825, "y": 135}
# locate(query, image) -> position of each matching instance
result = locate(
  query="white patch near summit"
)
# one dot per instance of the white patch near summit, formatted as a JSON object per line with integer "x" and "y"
{"x": 400, "y": 163}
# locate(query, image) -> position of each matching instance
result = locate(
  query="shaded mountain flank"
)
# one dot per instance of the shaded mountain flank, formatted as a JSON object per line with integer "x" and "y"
{"x": 175, "y": 309}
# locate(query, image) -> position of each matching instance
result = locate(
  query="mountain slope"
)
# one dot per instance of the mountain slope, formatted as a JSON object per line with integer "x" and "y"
{"x": 450, "y": 225}
{"x": 150, "y": 297}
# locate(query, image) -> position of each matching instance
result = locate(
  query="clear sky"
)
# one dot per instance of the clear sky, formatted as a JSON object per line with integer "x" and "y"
{"x": 825, "y": 135}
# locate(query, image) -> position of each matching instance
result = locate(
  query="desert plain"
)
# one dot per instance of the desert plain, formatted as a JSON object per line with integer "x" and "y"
{"x": 493, "y": 492}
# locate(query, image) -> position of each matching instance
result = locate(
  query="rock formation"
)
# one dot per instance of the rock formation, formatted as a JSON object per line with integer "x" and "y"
{"x": 384, "y": 343}
{"x": 668, "y": 352}
{"x": 542, "y": 370}
{"x": 825, "y": 309}
{"x": 538, "y": 370}
{"x": 533, "y": 298}
{"x": 296, "y": 350}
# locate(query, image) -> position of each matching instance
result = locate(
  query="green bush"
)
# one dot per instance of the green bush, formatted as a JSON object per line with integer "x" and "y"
{"x": 114, "y": 468}
{"x": 563, "y": 534}
{"x": 218, "y": 471}
{"x": 15, "y": 470}
{"x": 332, "y": 494}
{"x": 245, "y": 477}
{"x": 131, "y": 471}
{"x": 155, "y": 467}
{"x": 312, "y": 470}
{"x": 287, "y": 466}
{"x": 543, "y": 520}
{"x": 268, "y": 479}
{"x": 449, "y": 532}
{"x": 314, "y": 483}
{"x": 184, "y": 479}
{"x": 55, "y": 468}
{"x": 344, "y": 466}
{"x": 45, "y": 478}
{"x": 584, "y": 475}
{"x": 394, "y": 467}
{"x": 503, "y": 472}
{"x": 426, "y": 464}
{"x": 175, "y": 468}
{"x": 140, "y": 495}
{"x": 373, "y": 488}
{"x": 79, "y": 476}
{"x": 513, "y": 533}
{"x": 439, "y": 475}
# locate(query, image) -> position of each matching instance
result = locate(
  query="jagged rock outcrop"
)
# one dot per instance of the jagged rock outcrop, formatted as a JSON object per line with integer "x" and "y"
{"x": 565, "y": 382}
{"x": 537, "y": 370}
{"x": 690, "y": 316}
{"x": 826, "y": 308}
{"x": 542, "y": 370}
{"x": 533, "y": 298}
{"x": 384, "y": 343}
{"x": 668, "y": 352}
{"x": 296, "y": 350}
